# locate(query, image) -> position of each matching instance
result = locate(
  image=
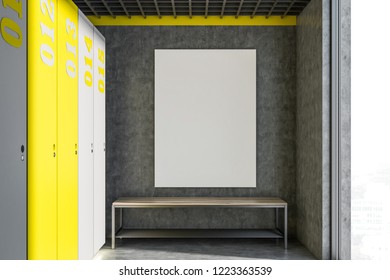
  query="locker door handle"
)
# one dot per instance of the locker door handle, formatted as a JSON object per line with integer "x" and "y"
{"x": 22, "y": 150}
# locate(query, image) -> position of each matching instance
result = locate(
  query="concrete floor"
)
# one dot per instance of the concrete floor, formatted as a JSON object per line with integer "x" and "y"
{"x": 203, "y": 249}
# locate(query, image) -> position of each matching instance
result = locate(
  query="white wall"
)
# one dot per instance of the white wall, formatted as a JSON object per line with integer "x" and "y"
{"x": 370, "y": 133}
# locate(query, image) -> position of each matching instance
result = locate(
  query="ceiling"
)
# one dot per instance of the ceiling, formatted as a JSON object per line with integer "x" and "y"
{"x": 191, "y": 7}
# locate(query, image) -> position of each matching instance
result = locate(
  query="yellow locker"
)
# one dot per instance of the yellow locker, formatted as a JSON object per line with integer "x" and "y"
{"x": 42, "y": 129}
{"x": 67, "y": 130}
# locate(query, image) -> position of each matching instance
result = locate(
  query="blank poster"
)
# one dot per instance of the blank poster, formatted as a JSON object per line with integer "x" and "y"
{"x": 205, "y": 118}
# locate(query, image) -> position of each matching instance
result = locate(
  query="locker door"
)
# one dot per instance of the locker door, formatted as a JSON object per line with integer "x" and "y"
{"x": 85, "y": 138}
{"x": 13, "y": 130}
{"x": 99, "y": 111}
{"x": 67, "y": 104}
{"x": 42, "y": 129}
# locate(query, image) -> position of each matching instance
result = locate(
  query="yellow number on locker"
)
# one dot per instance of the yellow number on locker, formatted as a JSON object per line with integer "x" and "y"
{"x": 101, "y": 71}
{"x": 15, "y": 5}
{"x": 101, "y": 55}
{"x": 88, "y": 78}
{"x": 88, "y": 62}
{"x": 88, "y": 43}
{"x": 11, "y": 32}
{"x": 101, "y": 86}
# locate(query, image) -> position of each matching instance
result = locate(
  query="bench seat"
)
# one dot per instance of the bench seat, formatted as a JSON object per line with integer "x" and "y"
{"x": 204, "y": 202}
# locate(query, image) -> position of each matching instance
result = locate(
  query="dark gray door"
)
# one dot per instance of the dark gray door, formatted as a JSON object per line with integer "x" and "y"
{"x": 13, "y": 198}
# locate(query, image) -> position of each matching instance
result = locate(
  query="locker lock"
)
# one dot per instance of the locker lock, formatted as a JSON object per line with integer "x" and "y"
{"x": 75, "y": 149}
{"x": 22, "y": 150}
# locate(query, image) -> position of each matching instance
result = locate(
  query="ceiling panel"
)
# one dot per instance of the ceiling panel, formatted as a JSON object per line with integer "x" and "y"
{"x": 191, "y": 7}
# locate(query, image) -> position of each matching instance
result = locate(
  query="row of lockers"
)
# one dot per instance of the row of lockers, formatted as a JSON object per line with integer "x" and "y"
{"x": 52, "y": 127}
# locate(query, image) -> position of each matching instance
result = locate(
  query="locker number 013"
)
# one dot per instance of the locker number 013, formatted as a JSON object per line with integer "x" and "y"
{"x": 71, "y": 48}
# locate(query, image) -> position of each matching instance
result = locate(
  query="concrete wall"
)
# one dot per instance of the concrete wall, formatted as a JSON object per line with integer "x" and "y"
{"x": 130, "y": 122}
{"x": 345, "y": 121}
{"x": 313, "y": 128}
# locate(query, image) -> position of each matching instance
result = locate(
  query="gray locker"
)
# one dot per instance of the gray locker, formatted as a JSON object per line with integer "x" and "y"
{"x": 13, "y": 199}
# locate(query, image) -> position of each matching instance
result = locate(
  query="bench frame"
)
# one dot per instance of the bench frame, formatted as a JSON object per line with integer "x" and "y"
{"x": 196, "y": 202}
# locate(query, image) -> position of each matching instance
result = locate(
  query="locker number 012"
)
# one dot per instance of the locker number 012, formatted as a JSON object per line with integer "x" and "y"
{"x": 47, "y": 32}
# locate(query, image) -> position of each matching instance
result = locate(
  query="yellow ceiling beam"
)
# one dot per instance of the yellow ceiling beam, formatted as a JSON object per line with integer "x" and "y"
{"x": 194, "y": 21}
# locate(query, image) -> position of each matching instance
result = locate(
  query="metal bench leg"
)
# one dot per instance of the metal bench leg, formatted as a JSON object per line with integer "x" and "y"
{"x": 120, "y": 217}
{"x": 285, "y": 227}
{"x": 113, "y": 227}
{"x": 277, "y": 218}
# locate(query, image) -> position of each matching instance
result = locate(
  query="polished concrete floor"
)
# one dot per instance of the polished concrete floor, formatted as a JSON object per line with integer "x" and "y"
{"x": 203, "y": 249}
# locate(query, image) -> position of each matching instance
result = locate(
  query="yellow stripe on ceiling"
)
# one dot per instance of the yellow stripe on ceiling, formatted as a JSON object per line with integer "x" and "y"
{"x": 194, "y": 21}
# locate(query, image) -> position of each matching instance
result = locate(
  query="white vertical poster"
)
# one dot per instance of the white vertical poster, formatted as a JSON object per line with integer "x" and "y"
{"x": 99, "y": 140}
{"x": 86, "y": 90}
{"x": 205, "y": 118}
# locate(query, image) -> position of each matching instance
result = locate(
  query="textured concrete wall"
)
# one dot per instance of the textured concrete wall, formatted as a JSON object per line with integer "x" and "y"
{"x": 345, "y": 121}
{"x": 313, "y": 128}
{"x": 326, "y": 129}
{"x": 130, "y": 122}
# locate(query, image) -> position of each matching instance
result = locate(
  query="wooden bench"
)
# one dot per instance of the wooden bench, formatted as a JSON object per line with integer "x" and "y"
{"x": 191, "y": 202}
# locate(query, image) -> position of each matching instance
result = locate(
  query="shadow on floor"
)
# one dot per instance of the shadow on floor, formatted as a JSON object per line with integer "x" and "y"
{"x": 203, "y": 249}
